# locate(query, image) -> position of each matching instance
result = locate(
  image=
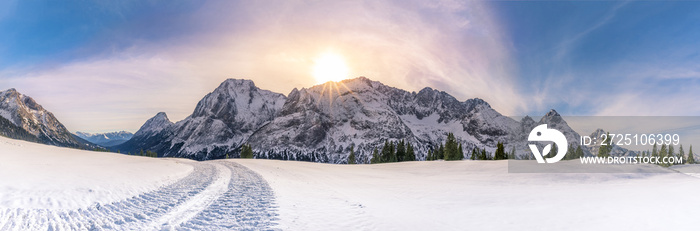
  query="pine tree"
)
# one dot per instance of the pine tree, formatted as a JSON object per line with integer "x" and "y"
{"x": 386, "y": 153}
{"x": 579, "y": 152}
{"x": 663, "y": 152}
{"x": 351, "y": 157}
{"x": 430, "y": 155}
{"x": 141, "y": 153}
{"x": 500, "y": 152}
{"x": 392, "y": 151}
{"x": 681, "y": 154}
{"x": 484, "y": 155}
{"x": 451, "y": 149}
{"x": 460, "y": 153}
{"x": 474, "y": 154}
{"x": 440, "y": 153}
{"x": 375, "y": 157}
{"x": 151, "y": 154}
{"x": 605, "y": 147}
{"x": 246, "y": 151}
{"x": 570, "y": 152}
{"x": 410, "y": 154}
{"x": 691, "y": 159}
{"x": 400, "y": 151}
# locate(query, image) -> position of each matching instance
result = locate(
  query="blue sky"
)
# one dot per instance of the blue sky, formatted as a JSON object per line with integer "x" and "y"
{"x": 110, "y": 65}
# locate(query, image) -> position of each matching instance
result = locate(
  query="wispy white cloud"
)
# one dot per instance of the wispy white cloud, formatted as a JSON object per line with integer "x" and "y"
{"x": 450, "y": 45}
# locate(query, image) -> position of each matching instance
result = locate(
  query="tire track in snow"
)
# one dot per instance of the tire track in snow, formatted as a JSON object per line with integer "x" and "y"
{"x": 216, "y": 195}
{"x": 247, "y": 205}
{"x": 197, "y": 203}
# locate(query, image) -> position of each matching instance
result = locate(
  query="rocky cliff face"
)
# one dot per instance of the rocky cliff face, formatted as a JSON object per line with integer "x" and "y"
{"x": 23, "y": 118}
{"x": 323, "y": 122}
{"x": 221, "y": 122}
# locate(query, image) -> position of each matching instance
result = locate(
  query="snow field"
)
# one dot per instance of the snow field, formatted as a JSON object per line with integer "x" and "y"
{"x": 212, "y": 195}
{"x": 474, "y": 195}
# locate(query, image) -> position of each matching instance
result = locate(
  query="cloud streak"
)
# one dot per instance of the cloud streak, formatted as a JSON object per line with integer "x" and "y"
{"x": 449, "y": 45}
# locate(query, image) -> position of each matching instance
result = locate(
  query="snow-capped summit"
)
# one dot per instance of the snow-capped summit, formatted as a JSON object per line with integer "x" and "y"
{"x": 361, "y": 113}
{"x": 154, "y": 125}
{"x": 106, "y": 139}
{"x": 221, "y": 121}
{"x": 23, "y": 118}
{"x": 238, "y": 100}
{"x": 321, "y": 123}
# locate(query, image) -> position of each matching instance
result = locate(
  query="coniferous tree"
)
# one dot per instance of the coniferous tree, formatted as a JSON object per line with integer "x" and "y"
{"x": 451, "y": 149}
{"x": 440, "y": 152}
{"x": 430, "y": 155}
{"x": 460, "y": 153}
{"x": 474, "y": 154}
{"x": 351, "y": 157}
{"x": 671, "y": 151}
{"x": 681, "y": 154}
{"x": 570, "y": 153}
{"x": 663, "y": 152}
{"x": 386, "y": 153}
{"x": 579, "y": 152}
{"x": 247, "y": 151}
{"x": 410, "y": 154}
{"x": 151, "y": 154}
{"x": 392, "y": 150}
{"x": 691, "y": 158}
{"x": 500, "y": 152}
{"x": 400, "y": 151}
{"x": 375, "y": 157}
{"x": 654, "y": 151}
{"x": 605, "y": 147}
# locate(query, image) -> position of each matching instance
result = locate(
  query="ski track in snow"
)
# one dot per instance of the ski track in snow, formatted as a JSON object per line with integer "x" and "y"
{"x": 217, "y": 195}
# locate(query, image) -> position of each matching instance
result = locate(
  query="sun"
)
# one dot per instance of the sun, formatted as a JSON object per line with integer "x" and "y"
{"x": 330, "y": 67}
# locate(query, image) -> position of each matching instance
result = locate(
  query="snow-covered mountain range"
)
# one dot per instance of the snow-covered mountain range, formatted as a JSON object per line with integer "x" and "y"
{"x": 222, "y": 121}
{"x": 23, "y": 118}
{"x": 323, "y": 122}
{"x": 108, "y": 139}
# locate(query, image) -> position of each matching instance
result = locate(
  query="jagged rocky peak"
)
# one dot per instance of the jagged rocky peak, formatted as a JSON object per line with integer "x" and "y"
{"x": 476, "y": 102}
{"x": 552, "y": 113}
{"x": 427, "y": 96}
{"x": 527, "y": 120}
{"x": 160, "y": 118}
{"x": 155, "y": 124}
{"x": 597, "y": 132}
{"x": 552, "y": 117}
{"x": 356, "y": 85}
{"x": 236, "y": 99}
{"x": 9, "y": 92}
{"x": 28, "y": 115}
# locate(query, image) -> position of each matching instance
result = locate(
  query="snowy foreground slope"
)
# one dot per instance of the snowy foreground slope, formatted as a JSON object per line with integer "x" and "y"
{"x": 50, "y": 188}
{"x": 474, "y": 195}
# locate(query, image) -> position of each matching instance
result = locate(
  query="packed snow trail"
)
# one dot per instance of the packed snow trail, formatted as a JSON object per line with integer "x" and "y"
{"x": 216, "y": 195}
